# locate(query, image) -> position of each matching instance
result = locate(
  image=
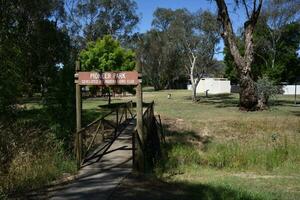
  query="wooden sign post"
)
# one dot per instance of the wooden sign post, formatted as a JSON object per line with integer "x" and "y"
{"x": 78, "y": 141}
{"x": 139, "y": 162}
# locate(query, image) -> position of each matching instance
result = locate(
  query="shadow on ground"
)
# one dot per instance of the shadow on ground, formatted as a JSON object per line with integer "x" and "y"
{"x": 219, "y": 101}
{"x": 296, "y": 113}
{"x": 138, "y": 187}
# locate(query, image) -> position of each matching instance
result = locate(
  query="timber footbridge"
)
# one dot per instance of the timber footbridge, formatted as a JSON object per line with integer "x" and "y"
{"x": 110, "y": 148}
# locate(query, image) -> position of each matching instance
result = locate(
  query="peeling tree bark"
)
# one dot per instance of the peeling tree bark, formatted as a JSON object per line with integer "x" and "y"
{"x": 248, "y": 96}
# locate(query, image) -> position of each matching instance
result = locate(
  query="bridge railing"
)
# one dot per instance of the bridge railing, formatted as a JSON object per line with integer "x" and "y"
{"x": 147, "y": 148}
{"x": 104, "y": 128}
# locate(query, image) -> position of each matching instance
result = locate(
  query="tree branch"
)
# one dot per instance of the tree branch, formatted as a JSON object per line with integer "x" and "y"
{"x": 246, "y": 8}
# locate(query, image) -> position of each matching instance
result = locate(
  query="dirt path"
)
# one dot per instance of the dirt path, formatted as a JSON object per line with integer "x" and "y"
{"x": 101, "y": 175}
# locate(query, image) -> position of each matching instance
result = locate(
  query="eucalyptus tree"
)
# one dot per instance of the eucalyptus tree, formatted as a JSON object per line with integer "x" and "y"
{"x": 276, "y": 38}
{"x": 92, "y": 19}
{"x": 243, "y": 60}
{"x": 195, "y": 35}
{"x": 200, "y": 47}
{"x": 278, "y": 14}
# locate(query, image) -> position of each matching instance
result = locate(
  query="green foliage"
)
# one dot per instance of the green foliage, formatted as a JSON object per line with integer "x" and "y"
{"x": 30, "y": 47}
{"x": 230, "y": 69}
{"x": 107, "y": 55}
{"x": 10, "y": 85}
{"x": 164, "y": 51}
{"x": 265, "y": 89}
{"x": 273, "y": 44}
{"x": 60, "y": 105}
{"x": 154, "y": 50}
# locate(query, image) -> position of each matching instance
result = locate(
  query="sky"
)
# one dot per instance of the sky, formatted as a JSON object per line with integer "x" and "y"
{"x": 147, "y": 7}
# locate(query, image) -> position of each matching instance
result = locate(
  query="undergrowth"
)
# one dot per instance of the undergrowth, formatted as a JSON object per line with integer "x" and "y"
{"x": 31, "y": 153}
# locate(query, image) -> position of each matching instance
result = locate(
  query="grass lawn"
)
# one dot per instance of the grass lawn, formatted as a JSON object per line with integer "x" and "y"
{"x": 215, "y": 151}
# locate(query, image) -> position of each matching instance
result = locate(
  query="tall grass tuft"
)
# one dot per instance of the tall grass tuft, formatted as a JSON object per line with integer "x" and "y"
{"x": 31, "y": 171}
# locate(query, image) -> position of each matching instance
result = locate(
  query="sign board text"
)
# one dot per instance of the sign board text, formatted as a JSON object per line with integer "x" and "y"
{"x": 108, "y": 78}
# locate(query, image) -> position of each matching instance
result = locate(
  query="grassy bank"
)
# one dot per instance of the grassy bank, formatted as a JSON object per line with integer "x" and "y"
{"x": 213, "y": 143}
{"x": 31, "y": 155}
{"x": 215, "y": 151}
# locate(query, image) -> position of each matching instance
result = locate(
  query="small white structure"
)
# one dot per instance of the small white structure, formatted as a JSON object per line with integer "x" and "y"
{"x": 290, "y": 89}
{"x": 213, "y": 85}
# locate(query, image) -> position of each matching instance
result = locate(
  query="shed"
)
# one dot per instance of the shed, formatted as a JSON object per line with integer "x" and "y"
{"x": 213, "y": 85}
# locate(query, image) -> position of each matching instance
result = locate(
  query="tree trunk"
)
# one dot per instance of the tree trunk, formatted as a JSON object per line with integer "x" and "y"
{"x": 248, "y": 97}
{"x": 194, "y": 92}
{"x": 194, "y": 83}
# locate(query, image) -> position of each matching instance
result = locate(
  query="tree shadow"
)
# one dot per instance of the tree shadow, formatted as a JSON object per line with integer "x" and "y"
{"x": 282, "y": 102}
{"x": 218, "y": 100}
{"x": 141, "y": 187}
{"x": 221, "y": 100}
{"x": 185, "y": 137}
{"x": 296, "y": 113}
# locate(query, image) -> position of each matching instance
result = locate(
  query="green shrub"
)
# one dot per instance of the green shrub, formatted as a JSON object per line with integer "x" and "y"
{"x": 265, "y": 89}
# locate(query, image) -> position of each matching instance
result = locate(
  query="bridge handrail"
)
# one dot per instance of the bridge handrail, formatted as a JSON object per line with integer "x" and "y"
{"x": 104, "y": 116}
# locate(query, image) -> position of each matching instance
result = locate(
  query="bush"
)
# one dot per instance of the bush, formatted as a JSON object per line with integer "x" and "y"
{"x": 265, "y": 89}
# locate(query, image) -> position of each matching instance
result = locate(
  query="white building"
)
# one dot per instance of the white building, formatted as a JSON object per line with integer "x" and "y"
{"x": 213, "y": 85}
{"x": 291, "y": 89}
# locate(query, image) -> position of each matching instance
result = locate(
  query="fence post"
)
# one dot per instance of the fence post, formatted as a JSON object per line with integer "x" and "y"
{"x": 78, "y": 120}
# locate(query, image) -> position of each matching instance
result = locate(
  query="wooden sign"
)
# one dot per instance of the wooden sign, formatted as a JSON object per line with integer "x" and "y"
{"x": 108, "y": 78}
